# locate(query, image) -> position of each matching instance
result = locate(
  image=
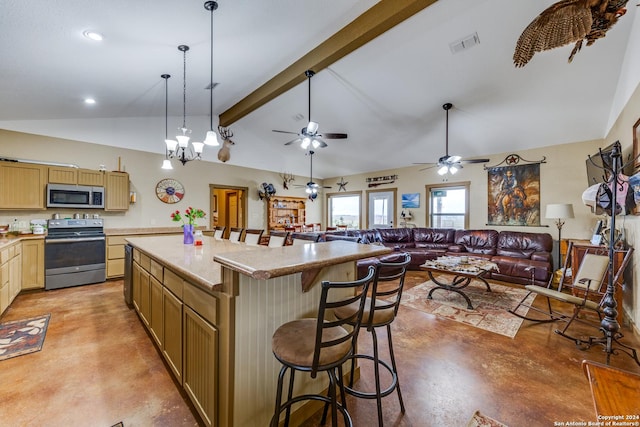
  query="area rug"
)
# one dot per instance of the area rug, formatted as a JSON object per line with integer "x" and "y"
{"x": 489, "y": 308}
{"x": 22, "y": 336}
{"x": 481, "y": 420}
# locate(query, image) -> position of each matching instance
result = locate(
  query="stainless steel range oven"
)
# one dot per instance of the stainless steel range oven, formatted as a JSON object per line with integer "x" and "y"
{"x": 74, "y": 253}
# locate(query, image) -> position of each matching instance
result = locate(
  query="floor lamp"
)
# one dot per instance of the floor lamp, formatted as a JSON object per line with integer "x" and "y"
{"x": 559, "y": 212}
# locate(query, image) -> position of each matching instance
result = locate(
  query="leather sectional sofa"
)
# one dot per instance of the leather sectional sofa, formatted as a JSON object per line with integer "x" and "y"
{"x": 519, "y": 255}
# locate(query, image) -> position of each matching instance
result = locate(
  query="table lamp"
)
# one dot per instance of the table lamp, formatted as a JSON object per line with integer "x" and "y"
{"x": 559, "y": 212}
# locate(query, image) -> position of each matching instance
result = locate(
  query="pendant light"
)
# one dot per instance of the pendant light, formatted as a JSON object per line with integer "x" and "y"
{"x": 166, "y": 164}
{"x": 212, "y": 137}
{"x": 196, "y": 148}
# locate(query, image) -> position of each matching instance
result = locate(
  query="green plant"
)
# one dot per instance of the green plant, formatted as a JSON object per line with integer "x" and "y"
{"x": 189, "y": 217}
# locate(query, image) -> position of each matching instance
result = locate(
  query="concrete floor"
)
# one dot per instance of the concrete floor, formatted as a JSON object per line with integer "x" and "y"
{"x": 99, "y": 367}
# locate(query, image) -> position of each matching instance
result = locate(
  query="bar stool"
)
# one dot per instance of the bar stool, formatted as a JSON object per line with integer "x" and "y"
{"x": 380, "y": 310}
{"x": 315, "y": 345}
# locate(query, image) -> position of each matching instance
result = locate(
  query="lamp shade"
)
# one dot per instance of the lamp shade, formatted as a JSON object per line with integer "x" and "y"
{"x": 559, "y": 211}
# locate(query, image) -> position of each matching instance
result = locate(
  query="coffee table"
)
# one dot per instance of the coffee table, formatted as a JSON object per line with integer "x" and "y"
{"x": 461, "y": 271}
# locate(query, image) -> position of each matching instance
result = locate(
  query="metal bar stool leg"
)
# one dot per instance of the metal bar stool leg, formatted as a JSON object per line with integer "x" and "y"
{"x": 395, "y": 368}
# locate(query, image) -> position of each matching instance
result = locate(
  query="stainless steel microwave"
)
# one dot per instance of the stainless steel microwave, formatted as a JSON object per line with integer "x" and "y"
{"x": 74, "y": 196}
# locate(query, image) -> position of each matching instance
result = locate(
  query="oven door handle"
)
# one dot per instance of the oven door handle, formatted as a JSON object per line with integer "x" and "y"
{"x": 74, "y": 239}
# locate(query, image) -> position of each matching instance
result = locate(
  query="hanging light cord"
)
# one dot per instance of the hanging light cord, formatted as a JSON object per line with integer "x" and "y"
{"x": 184, "y": 87}
{"x": 166, "y": 104}
{"x": 214, "y": 6}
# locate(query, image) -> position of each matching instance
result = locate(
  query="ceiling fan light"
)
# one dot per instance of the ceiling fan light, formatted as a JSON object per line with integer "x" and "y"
{"x": 312, "y": 127}
{"x": 306, "y": 141}
{"x": 443, "y": 170}
{"x": 211, "y": 139}
{"x": 198, "y": 147}
{"x": 453, "y": 170}
{"x": 315, "y": 143}
{"x": 171, "y": 145}
{"x": 454, "y": 159}
{"x": 308, "y": 190}
{"x": 166, "y": 164}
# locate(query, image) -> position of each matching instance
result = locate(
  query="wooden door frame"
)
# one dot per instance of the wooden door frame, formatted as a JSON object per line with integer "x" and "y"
{"x": 245, "y": 201}
{"x": 395, "y": 203}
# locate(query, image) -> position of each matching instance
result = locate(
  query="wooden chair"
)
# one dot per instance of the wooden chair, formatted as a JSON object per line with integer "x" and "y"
{"x": 302, "y": 238}
{"x": 277, "y": 239}
{"x": 252, "y": 236}
{"x": 341, "y": 227}
{"x": 585, "y": 290}
{"x": 321, "y": 344}
{"x": 218, "y": 232}
{"x": 235, "y": 234}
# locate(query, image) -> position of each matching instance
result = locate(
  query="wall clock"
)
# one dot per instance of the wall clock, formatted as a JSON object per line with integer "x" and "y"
{"x": 169, "y": 191}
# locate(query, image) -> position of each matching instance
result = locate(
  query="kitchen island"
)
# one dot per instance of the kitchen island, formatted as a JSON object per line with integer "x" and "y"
{"x": 212, "y": 311}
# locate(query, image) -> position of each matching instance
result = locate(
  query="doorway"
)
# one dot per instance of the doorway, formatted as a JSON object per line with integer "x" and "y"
{"x": 228, "y": 206}
{"x": 381, "y": 208}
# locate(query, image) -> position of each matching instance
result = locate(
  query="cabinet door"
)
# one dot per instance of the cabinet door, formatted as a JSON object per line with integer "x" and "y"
{"x": 62, "y": 175}
{"x": 172, "y": 332}
{"x": 4, "y": 285}
{"x": 156, "y": 321}
{"x": 33, "y": 264}
{"x": 90, "y": 177}
{"x": 135, "y": 285}
{"x": 145, "y": 297}
{"x": 23, "y": 185}
{"x": 200, "y": 361}
{"x": 15, "y": 276}
{"x": 116, "y": 191}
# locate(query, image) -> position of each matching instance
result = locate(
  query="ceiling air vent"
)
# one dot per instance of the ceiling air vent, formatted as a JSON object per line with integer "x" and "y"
{"x": 464, "y": 43}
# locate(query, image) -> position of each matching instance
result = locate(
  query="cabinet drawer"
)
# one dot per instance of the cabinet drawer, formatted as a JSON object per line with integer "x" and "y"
{"x": 136, "y": 256}
{"x": 115, "y": 268}
{"x": 4, "y": 255}
{"x": 115, "y": 251}
{"x": 116, "y": 240}
{"x": 156, "y": 270}
{"x": 173, "y": 282}
{"x": 145, "y": 262}
{"x": 204, "y": 304}
{"x": 17, "y": 249}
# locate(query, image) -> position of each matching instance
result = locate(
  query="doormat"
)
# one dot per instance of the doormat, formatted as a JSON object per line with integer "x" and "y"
{"x": 481, "y": 420}
{"x": 22, "y": 336}
{"x": 490, "y": 309}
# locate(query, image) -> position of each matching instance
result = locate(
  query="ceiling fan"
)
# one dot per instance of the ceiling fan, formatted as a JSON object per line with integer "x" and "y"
{"x": 447, "y": 163}
{"x": 309, "y": 136}
{"x": 311, "y": 188}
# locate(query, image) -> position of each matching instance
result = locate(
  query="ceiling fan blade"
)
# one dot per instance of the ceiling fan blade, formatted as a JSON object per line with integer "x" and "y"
{"x": 321, "y": 143}
{"x": 292, "y": 141}
{"x": 429, "y": 167}
{"x": 334, "y": 135}
{"x": 476, "y": 161}
{"x": 424, "y": 163}
{"x": 284, "y": 131}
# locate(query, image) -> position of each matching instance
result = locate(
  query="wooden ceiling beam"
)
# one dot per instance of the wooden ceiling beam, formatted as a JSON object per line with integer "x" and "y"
{"x": 383, "y": 16}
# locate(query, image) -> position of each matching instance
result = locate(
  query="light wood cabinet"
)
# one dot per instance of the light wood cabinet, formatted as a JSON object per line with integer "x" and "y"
{"x": 200, "y": 361}
{"x": 23, "y": 186}
{"x": 135, "y": 285}
{"x": 172, "y": 330}
{"x": 62, "y": 175}
{"x": 91, "y": 177}
{"x": 156, "y": 321}
{"x": 68, "y": 175}
{"x": 10, "y": 274}
{"x": 285, "y": 211}
{"x": 33, "y": 264}
{"x": 115, "y": 256}
{"x": 116, "y": 191}
{"x": 145, "y": 297}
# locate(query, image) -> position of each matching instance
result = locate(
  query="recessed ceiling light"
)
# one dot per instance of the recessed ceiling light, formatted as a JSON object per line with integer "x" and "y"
{"x": 89, "y": 101}
{"x": 92, "y": 35}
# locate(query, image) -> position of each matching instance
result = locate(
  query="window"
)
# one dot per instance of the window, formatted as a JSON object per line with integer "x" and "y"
{"x": 344, "y": 209}
{"x": 448, "y": 205}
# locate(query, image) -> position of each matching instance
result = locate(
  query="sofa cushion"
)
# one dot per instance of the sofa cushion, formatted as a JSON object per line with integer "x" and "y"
{"x": 397, "y": 237}
{"x": 366, "y": 236}
{"x": 433, "y": 238}
{"x": 523, "y": 245}
{"x": 477, "y": 241}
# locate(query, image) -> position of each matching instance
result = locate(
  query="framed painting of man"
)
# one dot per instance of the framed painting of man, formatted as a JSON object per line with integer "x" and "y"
{"x": 514, "y": 195}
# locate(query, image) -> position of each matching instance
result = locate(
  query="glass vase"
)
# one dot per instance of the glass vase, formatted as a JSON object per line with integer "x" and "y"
{"x": 188, "y": 234}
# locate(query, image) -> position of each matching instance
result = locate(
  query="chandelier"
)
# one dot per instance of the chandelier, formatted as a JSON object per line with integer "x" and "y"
{"x": 181, "y": 149}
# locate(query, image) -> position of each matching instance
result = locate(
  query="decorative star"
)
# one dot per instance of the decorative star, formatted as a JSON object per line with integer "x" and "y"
{"x": 342, "y": 186}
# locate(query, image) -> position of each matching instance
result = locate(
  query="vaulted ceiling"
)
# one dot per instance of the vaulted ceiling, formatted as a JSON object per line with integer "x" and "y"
{"x": 386, "y": 95}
